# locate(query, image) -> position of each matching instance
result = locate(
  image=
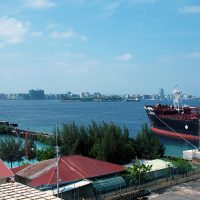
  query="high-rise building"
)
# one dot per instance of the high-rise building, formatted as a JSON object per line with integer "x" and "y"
{"x": 161, "y": 93}
{"x": 36, "y": 94}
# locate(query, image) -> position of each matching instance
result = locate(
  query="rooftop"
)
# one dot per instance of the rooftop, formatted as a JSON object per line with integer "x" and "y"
{"x": 17, "y": 191}
{"x": 71, "y": 168}
{"x": 157, "y": 164}
{"x": 4, "y": 170}
{"x": 17, "y": 169}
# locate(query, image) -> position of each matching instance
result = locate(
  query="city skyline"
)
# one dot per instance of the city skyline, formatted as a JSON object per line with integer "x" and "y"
{"x": 113, "y": 47}
{"x": 36, "y": 94}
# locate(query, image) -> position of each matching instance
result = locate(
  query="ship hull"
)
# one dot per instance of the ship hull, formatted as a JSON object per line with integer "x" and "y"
{"x": 174, "y": 128}
{"x": 171, "y": 134}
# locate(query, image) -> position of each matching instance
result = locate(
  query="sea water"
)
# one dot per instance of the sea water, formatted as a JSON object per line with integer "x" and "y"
{"x": 43, "y": 115}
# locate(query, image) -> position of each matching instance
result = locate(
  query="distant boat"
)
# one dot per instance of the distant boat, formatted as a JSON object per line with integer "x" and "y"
{"x": 175, "y": 121}
{"x": 133, "y": 100}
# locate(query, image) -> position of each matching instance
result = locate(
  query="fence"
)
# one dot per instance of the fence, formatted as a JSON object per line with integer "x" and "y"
{"x": 154, "y": 185}
{"x": 172, "y": 177}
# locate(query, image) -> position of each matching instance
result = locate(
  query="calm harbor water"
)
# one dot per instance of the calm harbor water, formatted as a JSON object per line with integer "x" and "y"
{"x": 42, "y": 116}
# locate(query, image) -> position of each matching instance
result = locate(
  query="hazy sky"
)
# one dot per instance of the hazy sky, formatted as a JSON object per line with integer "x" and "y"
{"x": 108, "y": 46}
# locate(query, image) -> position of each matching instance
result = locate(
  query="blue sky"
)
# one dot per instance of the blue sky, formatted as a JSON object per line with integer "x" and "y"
{"x": 108, "y": 46}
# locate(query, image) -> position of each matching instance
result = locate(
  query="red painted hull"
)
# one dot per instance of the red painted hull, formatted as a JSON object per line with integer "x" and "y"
{"x": 174, "y": 135}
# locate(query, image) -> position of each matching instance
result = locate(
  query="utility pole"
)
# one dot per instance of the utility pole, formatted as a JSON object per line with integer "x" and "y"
{"x": 27, "y": 134}
{"x": 57, "y": 163}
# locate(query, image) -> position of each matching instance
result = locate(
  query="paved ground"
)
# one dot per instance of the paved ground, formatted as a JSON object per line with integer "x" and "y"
{"x": 184, "y": 191}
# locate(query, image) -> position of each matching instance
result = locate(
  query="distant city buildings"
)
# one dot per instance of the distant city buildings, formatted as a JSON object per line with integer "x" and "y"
{"x": 36, "y": 94}
{"x": 39, "y": 94}
{"x": 161, "y": 93}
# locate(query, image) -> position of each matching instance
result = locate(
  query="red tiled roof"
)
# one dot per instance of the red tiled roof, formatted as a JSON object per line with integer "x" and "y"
{"x": 71, "y": 168}
{"x": 4, "y": 170}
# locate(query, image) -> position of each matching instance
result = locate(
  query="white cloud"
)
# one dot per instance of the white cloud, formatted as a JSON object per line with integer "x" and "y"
{"x": 93, "y": 63}
{"x": 83, "y": 38}
{"x": 71, "y": 68}
{"x": 12, "y": 31}
{"x": 63, "y": 35}
{"x": 169, "y": 59}
{"x": 166, "y": 59}
{"x": 125, "y": 57}
{"x": 40, "y": 3}
{"x": 190, "y": 9}
{"x": 36, "y": 34}
{"x": 68, "y": 35}
{"x": 194, "y": 54}
{"x": 75, "y": 71}
{"x": 135, "y": 2}
{"x": 111, "y": 8}
{"x": 51, "y": 26}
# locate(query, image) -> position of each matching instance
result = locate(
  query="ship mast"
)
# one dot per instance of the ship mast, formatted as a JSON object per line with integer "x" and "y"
{"x": 177, "y": 101}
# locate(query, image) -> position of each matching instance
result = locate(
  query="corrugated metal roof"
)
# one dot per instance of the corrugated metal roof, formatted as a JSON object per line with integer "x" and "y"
{"x": 4, "y": 170}
{"x": 33, "y": 171}
{"x": 71, "y": 168}
{"x": 17, "y": 169}
{"x": 18, "y": 191}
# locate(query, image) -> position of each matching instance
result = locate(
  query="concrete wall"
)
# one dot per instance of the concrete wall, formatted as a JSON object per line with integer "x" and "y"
{"x": 2, "y": 180}
{"x": 21, "y": 180}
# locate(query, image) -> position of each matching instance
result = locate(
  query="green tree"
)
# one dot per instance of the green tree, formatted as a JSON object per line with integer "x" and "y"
{"x": 84, "y": 145}
{"x": 56, "y": 139}
{"x": 147, "y": 144}
{"x": 11, "y": 150}
{"x": 104, "y": 141}
{"x": 45, "y": 154}
{"x": 70, "y": 133}
{"x": 114, "y": 145}
{"x": 108, "y": 142}
{"x": 31, "y": 150}
{"x": 138, "y": 172}
{"x": 5, "y": 129}
{"x": 73, "y": 139}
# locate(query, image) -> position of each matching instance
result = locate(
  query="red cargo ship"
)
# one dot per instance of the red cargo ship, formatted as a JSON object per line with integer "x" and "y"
{"x": 175, "y": 121}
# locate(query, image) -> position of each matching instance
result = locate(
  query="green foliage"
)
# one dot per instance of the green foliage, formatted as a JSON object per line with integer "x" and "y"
{"x": 102, "y": 141}
{"x": 70, "y": 139}
{"x": 24, "y": 163}
{"x": 44, "y": 138}
{"x": 106, "y": 141}
{"x": 148, "y": 145}
{"x": 5, "y": 129}
{"x": 114, "y": 146}
{"x": 31, "y": 150}
{"x": 11, "y": 150}
{"x": 137, "y": 173}
{"x": 45, "y": 154}
{"x": 182, "y": 166}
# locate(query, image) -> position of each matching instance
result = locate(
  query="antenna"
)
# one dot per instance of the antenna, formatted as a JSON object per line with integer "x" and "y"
{"x": 27, "y": 145}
